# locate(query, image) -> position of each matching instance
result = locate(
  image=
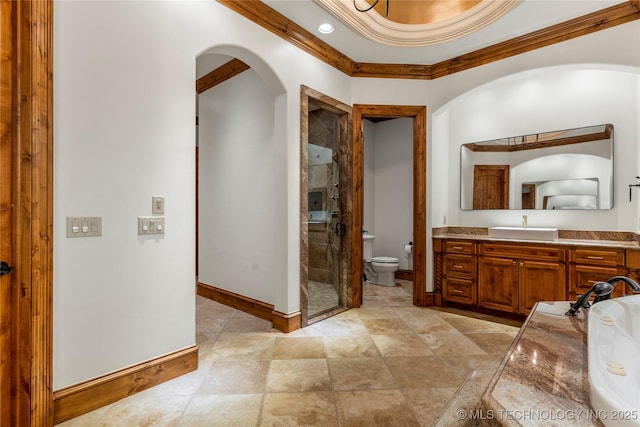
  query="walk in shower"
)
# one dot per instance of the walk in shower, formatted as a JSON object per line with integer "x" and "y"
{"x": 325, "y": 209}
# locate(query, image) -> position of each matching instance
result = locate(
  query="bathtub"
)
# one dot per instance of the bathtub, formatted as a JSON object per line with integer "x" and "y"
{"x": 613, "y": 342}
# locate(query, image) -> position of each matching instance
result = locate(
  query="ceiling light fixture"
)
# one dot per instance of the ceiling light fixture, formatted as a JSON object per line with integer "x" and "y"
{"x": 371, "y": 7}
{"x": 326, "y": 28}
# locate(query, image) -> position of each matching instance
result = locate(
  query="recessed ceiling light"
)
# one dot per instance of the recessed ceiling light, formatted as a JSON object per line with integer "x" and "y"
{"x": 325, "y": 28}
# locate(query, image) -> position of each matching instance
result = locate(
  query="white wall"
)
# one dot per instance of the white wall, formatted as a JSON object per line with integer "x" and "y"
{"x": 124, "y": 104}
{"x": 369, "y": 194}
{"x": 240, "y": 219}
{"x": 388, "y": 186}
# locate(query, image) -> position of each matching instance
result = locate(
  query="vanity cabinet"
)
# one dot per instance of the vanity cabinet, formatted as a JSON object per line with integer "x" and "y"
{"x": 459, "y": 272}
{"x": 512, "y": 278}
{"x": 590, "y": 265}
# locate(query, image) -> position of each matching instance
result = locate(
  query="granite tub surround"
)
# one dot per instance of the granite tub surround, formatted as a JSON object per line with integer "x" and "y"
{"x": 543, "y": 379}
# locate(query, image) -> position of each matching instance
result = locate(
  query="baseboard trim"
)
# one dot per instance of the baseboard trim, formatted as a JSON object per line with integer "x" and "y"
{"x": 286, "y": 322}
{"x": 81, "y": 398}
{"x": 430, "y": 299}
{"x": 283, "y": 322}
{"x": 404, "y": 274}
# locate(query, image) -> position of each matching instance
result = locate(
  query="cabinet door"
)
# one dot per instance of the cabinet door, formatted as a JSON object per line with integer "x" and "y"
{"x": 582, "y": 278}
{"x": 540, "y": 281}
{"x": 498, "y": 284}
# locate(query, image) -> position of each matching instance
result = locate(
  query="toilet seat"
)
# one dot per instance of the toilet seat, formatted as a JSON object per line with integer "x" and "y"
{"x": 384, "y": 260}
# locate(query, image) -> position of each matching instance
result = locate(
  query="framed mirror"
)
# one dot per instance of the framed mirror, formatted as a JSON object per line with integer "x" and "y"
{"x": 565, "y": 169}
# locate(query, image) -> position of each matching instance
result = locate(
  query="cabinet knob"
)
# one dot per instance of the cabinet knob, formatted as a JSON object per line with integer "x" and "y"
{"x": 521, "y": 264}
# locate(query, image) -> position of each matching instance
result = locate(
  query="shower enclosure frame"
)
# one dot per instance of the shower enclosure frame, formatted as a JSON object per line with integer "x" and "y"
{"x": 344, "y": 111}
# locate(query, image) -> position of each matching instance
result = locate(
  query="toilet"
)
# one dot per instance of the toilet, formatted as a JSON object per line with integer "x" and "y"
{"x": 378, "y": 270}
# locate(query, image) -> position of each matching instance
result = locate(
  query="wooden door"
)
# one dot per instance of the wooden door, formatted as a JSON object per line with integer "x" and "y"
{"x": 498, "y": 284}
{"x": 491, "y": 187}
{"x": 540, "y": 281}
{"x": 528, "y": 196}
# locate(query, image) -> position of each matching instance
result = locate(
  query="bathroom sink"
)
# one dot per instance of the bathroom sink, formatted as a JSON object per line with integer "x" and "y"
{"x": 524, "y": 233}
{"x": 613, "y": 345}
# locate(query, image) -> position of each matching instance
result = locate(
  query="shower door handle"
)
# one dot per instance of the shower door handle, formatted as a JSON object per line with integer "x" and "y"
{"x": 341, "y": 229}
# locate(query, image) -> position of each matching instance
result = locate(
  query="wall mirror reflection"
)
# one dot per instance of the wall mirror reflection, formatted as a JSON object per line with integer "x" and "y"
{"x": 565, "y": 169}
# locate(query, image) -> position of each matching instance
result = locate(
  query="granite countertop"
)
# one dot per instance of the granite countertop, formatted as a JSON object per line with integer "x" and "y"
{"x": 543, "y": 378}
{"x": 613, "y": 239}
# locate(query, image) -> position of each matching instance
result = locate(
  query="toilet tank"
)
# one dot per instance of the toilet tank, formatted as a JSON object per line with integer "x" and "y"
{"x": 367, "y": 246}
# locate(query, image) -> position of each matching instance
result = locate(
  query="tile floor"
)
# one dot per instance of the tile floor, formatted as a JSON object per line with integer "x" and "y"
{"x": 387, "y": 363}
{"x": 322, "y": 297}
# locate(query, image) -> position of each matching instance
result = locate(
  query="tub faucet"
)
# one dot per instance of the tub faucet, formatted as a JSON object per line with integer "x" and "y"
{"x": 603, "y": 292}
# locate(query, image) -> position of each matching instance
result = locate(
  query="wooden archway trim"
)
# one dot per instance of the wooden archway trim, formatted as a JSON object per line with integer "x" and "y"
{"x": 220, "y": 74}
{"x": 419, "y": 115}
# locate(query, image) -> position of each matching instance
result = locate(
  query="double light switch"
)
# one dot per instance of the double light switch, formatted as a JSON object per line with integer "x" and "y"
{"x": 150, "y": 225}
{"x": 90, "y": 226}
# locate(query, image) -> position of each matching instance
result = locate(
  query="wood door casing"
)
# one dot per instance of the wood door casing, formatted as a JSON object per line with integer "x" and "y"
{"x": 6, "y": 179}
{"x": 419, "y": 115}
{"x": 491, "y": 187}
{"x": 27, "y": 80}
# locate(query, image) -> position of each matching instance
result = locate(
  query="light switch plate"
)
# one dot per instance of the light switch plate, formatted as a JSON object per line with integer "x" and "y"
{"x": 157, "y": 205}
{"x": 148, "y": 225}
{"x": 86, "y": 226}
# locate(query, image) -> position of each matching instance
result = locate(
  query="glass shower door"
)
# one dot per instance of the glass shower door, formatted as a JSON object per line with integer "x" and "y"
{"x": 326, "y": 230}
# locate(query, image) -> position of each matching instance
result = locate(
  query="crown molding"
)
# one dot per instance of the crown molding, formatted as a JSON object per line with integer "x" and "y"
{"x": 268, "y": 18}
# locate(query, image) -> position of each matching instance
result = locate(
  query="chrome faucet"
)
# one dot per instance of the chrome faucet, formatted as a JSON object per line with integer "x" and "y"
{"x": 603, "y": 292}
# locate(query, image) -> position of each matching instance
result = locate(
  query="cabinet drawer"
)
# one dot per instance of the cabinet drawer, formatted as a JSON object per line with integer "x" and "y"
{"x": 526, "y": 251}
{"x": 463, "y": 266}
{"x": 459, "y": 247}
{"x": 459, "y": 290}
{"x": 599, "y": 257}
{"x": 583, "y": 277}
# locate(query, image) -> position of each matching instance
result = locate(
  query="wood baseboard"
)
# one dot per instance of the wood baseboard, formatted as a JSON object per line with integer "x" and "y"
{"x": 286, "y": 322}
{"x": 281, "y": 321}
{"x": 81, "y": 398}
{"x": 404, "y": 274}
{"x": 430, "y": 299}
